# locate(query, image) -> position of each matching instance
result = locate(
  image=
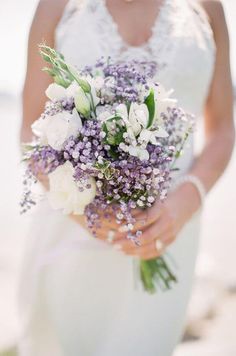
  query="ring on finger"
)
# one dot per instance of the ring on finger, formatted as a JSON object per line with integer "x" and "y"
{"x": 111, "y": 236}
{"x": 159, "y": 245}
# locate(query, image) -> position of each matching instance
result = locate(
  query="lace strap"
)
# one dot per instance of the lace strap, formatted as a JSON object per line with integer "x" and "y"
{"x": 202, "y": 15}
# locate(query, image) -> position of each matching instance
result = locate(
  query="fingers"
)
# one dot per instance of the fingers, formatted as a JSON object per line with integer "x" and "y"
{"x": 150, "y": 234}
{"x": 150, "y": 250}
{"x": 144, "y": 219}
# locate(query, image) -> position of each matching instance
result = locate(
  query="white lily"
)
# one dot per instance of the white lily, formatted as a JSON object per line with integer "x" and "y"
{"x": 163, "y": 101}
{"x": 136, "y": 119}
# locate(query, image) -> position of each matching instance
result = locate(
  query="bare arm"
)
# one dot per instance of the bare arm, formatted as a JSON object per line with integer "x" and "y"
{"x": 218, "y": 115}
{"x": 43, "y": 27}
{"x": 219, "y": 123}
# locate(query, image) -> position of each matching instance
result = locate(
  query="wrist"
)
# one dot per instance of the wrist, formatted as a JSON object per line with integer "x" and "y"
{"x": 189, "y": 197}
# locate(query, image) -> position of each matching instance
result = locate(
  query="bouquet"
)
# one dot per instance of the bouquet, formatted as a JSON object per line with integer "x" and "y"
{"x": 108, "y": 140}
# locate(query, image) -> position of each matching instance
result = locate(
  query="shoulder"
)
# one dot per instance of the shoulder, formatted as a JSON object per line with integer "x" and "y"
{"x": 46, "y": 18}
{"x": 49, "y": 12}
{"x": 215, "y": 12}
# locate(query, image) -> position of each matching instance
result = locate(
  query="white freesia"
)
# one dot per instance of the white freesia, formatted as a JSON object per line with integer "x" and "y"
{"x": 65, "y": 194}
{"x": 55, "y": 130}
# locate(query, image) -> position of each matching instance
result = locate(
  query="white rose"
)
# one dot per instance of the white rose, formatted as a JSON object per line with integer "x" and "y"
{"x": 64, "y": 192}
{"x": 55, "y": 130}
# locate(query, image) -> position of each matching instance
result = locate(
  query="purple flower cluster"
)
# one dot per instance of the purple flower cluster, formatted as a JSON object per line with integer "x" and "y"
{"x": 123, "y": 78}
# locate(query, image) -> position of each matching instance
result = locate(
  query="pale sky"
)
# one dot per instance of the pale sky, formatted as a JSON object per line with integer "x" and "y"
{"x": 15, "y": 18}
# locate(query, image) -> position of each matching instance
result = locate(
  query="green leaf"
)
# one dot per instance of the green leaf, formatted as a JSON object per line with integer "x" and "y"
{"x": 82, "y": 82}
{"x": 150, "y": 102}
{"x": 117, "y": 138}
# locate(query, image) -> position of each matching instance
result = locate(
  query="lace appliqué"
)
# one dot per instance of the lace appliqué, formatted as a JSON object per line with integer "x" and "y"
{"x": 158, "y": 47}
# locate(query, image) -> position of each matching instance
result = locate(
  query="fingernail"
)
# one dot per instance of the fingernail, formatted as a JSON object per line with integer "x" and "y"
{"x": 117, "y": 247}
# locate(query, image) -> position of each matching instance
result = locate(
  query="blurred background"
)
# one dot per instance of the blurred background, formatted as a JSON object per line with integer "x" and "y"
{"x": 211, "y": 322}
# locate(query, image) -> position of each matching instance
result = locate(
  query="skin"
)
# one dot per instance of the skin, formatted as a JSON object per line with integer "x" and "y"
{"x": 164, "y": 220}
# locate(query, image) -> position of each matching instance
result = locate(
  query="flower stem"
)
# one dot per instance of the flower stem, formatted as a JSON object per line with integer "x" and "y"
{"x": 156, "y": 272}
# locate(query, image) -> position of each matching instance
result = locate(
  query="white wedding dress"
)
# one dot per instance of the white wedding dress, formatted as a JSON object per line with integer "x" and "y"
{"x": 78, "y": 295}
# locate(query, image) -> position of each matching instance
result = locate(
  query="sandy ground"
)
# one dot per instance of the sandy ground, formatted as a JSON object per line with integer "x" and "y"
{"x": 212, "y": 311}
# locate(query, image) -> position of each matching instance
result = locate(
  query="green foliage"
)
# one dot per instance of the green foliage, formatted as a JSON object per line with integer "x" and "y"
{"x": 106, "y": 169}
{"x": 114, "y": 138}
{"x": 150, "y": 102}
{"x": 154, "y": 273}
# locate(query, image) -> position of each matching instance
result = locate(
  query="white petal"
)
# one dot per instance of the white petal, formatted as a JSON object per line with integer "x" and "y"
{"x": 55, "y": 92}
{"x": 160, "y": 132}
{"x": 74, "y": 124}
{"x": 39, "y": 128}
{"x": 142, "y": 114}
{"x": 104, "y": 116}
{"x": 145, "y": 135}
{"x": 139, "y": 152}
{"x": 57, "y": 131}
{"x": 133, "y": 121}
{"x": 72, "y": 90}
{"x": 64, "y": 193}
{"x": 121, "y": 110}
{"x": 96, "y": 99}
{"x": 144, "y": 155}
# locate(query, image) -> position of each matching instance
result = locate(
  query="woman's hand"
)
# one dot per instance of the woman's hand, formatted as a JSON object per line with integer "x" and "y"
{"x": 110, "y": 227}
{"x": 163, "y": 222}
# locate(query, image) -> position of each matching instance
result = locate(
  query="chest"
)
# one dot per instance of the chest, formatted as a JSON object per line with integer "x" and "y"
{"x": 180, "y": 42}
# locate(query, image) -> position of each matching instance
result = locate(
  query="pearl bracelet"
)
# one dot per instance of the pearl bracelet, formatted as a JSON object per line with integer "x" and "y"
{"x": 196, "y": 182}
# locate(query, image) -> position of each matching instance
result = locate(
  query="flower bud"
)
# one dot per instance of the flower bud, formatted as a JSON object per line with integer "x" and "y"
{"x": 82, "y": 103}
{"x": 83, "y": 83}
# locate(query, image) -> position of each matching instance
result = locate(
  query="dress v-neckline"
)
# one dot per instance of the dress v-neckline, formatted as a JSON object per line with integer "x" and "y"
{"x": 115, "y": 27}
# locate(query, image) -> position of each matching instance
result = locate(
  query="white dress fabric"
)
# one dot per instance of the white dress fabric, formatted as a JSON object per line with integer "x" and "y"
{"x": 78, "y": 295}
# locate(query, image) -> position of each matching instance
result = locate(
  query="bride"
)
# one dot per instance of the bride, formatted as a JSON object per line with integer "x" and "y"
{"x": 78, "y": 294}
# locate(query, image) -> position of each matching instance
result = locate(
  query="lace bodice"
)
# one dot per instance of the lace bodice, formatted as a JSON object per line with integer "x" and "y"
{"x": 181, "y": 43}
